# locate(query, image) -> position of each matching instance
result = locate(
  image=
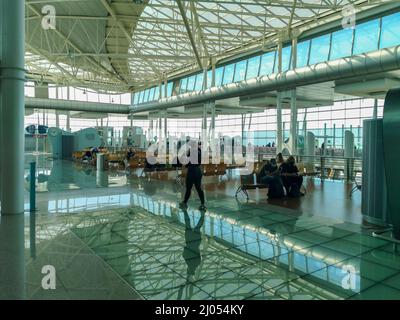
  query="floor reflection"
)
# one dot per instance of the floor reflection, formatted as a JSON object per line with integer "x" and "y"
{"x": 151, "y": 249}
{"x": 12, "y": 257}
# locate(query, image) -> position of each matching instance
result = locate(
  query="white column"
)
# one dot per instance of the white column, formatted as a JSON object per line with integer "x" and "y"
{"x": 57, "y": 120}
{"x": 293, "y": 104}
{"x": 375, "y": 114}
{"x": 279, "y": 130}
{"x": 159, "y": 126}
{"x": 68, "y": 121}
{"x": 165, "y": 126}
{"x": 349, "y": 154}
{"x": 310, "y": 151}
{"x": 12, "y": 53}
{"x": 293, "y": 122}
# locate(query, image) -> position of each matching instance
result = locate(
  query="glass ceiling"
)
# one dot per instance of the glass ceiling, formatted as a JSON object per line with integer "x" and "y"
{"x": 146, "y": 42}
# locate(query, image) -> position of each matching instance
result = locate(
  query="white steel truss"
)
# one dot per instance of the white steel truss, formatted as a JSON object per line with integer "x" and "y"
{"x": 125, "y": 45}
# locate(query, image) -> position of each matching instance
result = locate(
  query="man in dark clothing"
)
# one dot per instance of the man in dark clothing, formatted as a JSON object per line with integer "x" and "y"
{"x": 194, "y": 177}
{"x": 291, "y": 178}
{"x": 270, "y": 177}
{"x": 130, "y": 154}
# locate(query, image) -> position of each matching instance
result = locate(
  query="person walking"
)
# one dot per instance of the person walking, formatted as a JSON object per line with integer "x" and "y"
{"x": 194, "y": 177}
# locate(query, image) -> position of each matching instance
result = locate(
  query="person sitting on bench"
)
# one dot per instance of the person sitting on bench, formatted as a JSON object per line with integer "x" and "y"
{"x": 279, "y": 160}
{"x": 87, "y": 157}
{"x": 129, "y": 155}
{"x": 291, "y": 178}
{"x": 269, "y": 175}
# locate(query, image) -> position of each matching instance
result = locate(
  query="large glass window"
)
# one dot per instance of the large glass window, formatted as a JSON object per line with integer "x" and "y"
{"x": 342, "y": 41}
{"x": 267, "y": 63}
{"x": 209, "y": 78}
{"x": 219, "y": 72}
{"x": 253, "y": 67}
{"x": 140, "y": 99}
{"x": 228, "y": 74}
{"x": 136, "y": 98}
{"x": 151, "y": 94}
{"x": 240, "y": 71}
{"x": 169, "y": 88}
{"x": 320, "y": 49}
{"x": 303, "y": 49}
{"x": 183, "y": 85}
{"x": 390, "y": 35}
{"x": 146, "y": 95}
{"x": 199, "y": 82}
{"x": 191, "y": 83}
{"x": 157, "y": 93}
{"x": 286, "y": 58}
{"x": 366, "y": 37}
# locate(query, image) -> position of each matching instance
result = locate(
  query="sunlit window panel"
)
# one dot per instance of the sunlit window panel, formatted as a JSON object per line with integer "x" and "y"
{"x": 342, "y": 41}
{"x": 140, "y": 96}
{"x": 390, "y": 35}
{"x": 366, "y": 37}
{"x": 183, "y": 85}
{"x": 228, "y": 74}
{"x": 169, "y": 89}
{"x": 30, "y": 89}
{"x": 162, "y": 95}
{"x": 209, "y": 78}
{"x": 286, "y": 58}
{"x": 199, "y": 82}
{"x": 240, "y": 71}
{"x": 253, "y": 67}
{"x": 267, "y": 63}
{"x": 157, "y": 93}
{"x": 219, "y": 73}
{"x": 303, "y": 50}
{"x": 146, "y": 95}
{"x": 320, "y": 49}
{"x": 191, "y": 83}
{"x": 151, "y": 94}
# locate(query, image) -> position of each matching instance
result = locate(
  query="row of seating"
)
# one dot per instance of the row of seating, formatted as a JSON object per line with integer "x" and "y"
{"x": 209, "y": 170}
{"x": 252, "y": 181}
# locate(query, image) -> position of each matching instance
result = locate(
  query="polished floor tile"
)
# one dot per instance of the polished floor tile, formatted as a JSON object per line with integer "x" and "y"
{"x": 117, "y": 236}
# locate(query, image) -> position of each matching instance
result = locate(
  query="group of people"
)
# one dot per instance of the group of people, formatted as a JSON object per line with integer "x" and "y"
{"x": 281, "y": 177}
{"x": 90, "y": 155}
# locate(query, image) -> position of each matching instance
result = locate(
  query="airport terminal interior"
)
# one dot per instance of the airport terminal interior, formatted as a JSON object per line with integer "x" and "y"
{"x": 292, "y": 106}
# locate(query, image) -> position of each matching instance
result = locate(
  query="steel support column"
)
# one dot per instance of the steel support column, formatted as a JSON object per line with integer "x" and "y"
{"x": 293, "y": 122}
{"x": 375, "y": 114}
{"x": 12, "y": 46}
{"x": 279, "y": 126}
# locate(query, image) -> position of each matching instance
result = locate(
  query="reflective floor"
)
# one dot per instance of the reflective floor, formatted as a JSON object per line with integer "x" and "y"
{"x": 113, "y": 236}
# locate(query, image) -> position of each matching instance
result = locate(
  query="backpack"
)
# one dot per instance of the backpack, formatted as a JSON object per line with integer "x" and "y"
{"x": 275, "y": 189}
{"x": 294, "y": 191}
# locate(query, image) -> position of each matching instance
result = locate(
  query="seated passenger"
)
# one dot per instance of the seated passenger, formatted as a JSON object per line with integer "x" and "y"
{"x": 269, "y": 175}
{"x": 129, "y": 155}
{"x": 87, "y": 156}
{"x": 279, "y": 160}
{"x": 291, "y": 178}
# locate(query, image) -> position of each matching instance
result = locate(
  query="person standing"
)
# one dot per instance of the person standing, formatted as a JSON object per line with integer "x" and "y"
{"x": 194, "y": 177}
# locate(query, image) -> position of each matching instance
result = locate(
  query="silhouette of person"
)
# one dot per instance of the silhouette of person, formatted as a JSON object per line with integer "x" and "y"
{"x": 191, "y": 251}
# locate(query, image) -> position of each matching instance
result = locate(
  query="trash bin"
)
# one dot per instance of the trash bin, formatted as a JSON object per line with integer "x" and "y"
{"x": 101, "y": 161}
